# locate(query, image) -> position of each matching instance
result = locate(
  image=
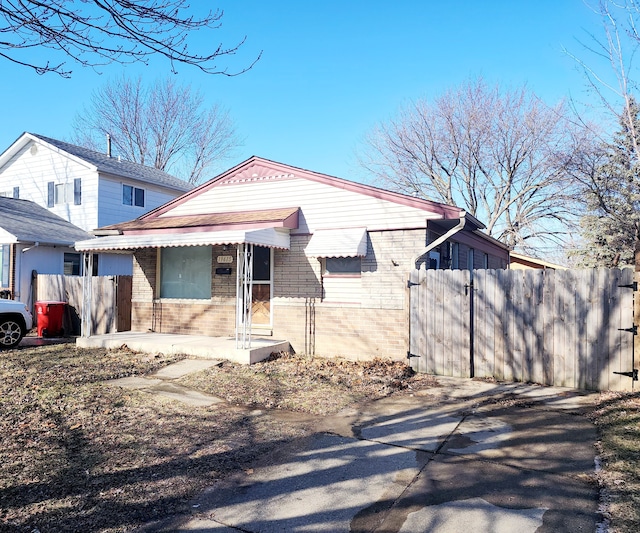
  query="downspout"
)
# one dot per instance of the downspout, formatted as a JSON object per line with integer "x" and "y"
{"x": 458, "y": 227}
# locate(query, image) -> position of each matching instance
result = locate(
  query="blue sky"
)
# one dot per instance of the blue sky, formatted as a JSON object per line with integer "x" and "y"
{"x": 331, "y": 70}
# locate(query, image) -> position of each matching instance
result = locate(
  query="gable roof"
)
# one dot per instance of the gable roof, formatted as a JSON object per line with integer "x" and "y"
{"x": 28, "y": 222}
{"x": 244, "y": 173}
{"x": 100, "y": 162}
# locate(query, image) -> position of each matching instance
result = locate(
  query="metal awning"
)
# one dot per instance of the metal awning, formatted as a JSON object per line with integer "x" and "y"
{"x": 349, "y": 242}
{"x": 268, "y": 237}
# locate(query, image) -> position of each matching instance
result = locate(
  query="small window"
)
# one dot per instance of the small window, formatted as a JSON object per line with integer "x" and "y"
{"x": 63, "y": 193}
{"x": 77, "y": 191}
{"x": 343, "y": 265}
{"x": 470, "y": 259}
{"x": 485, "y": 261}
{"x": 5, "y": 251}
{"x": 261, "y": 263}
{"x": 132, "y": 196}
{"x": 455, "y": 256}
{"x": 71, "y": 264}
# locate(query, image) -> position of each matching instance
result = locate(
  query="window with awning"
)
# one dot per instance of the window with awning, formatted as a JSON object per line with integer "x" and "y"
{"x": 340, "y": 252}
{"x": 346, "y": 242}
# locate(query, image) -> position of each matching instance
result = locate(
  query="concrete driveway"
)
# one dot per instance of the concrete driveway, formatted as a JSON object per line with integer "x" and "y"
{"x": 465, "y": 456}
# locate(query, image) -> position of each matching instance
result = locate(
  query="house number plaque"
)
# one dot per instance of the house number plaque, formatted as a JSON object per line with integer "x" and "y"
{"x": 225, "y": 259}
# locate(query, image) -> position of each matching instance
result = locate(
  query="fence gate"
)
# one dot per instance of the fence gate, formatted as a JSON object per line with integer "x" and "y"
{"x": 566, "y": 328}
{"x": 110, "y": 301}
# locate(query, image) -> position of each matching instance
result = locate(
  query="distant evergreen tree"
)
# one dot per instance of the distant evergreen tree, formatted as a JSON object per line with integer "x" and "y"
{"x": 611, "y": 227}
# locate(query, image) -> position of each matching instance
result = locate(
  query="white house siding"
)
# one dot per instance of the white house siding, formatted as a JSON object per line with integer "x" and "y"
{"x": 31, "y": 173}
{"x": 111, "y": 208}
{"x": 322, "y": 206}
{"x": 43, "y": 260}
{"x": 115, "y": 265}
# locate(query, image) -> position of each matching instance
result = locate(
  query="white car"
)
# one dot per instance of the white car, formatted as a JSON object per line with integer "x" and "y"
{"x": 15, "y": 321}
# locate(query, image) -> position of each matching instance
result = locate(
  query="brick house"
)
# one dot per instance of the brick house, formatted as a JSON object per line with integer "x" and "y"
{"x": 323, "y": 261}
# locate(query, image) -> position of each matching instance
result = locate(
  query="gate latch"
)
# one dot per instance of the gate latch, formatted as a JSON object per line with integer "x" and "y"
{"x": 633, "y": 329}
{"x": 633, "y": 374}
{"x": 410, "y": 355}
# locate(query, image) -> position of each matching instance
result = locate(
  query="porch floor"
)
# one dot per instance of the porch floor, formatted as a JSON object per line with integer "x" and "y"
{"x": 194, "y": 345}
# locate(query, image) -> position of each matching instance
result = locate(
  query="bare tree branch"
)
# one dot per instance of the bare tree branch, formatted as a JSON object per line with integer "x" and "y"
{"x": 97, "y": 32}
{"x": 164, "y": 125}
{"x": 499, "y": 154}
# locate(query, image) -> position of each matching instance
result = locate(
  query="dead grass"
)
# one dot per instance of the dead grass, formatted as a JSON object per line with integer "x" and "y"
{"x": 78, "y": 455}
{"x": 617, "y": 417}
{"x": 307, "y": 384}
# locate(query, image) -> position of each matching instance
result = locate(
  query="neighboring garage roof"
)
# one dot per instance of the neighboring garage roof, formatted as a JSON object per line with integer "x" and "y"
{"x": 25, "y": 221}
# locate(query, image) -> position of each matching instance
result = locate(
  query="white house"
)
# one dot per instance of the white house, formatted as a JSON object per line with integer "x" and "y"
{"x": 283, "y": 252}
{"x": 86, "y": 188}
{"x": 32, "y": 239}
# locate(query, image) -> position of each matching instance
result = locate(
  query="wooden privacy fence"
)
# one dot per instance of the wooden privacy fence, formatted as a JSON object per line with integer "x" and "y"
{"x": 567, "y": 328}
{"x": 110, "y": 301}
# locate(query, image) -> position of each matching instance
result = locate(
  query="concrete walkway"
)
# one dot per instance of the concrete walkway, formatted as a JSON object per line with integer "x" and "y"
{"x": 465, "y": 456}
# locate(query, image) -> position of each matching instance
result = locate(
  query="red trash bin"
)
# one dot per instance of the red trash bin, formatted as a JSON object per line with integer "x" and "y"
{"x": 49, "y": 317}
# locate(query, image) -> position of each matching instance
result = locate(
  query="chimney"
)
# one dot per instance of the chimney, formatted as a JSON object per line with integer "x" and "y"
{"x": 108, "y": 145}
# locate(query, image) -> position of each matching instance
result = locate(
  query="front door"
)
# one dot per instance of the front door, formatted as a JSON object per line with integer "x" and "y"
{"x": 262, "y": 287}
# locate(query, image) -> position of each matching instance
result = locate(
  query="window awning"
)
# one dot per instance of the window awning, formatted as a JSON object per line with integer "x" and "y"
{"x": 269, "y": 237}
{"x": 349, "y": 242}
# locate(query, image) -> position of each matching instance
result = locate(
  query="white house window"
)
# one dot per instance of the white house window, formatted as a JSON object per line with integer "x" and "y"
{"x": 132, "y": 196}
{"x": 14, "y": 193}
{"x": 185, "y": 272}
{"x": 63, "y": 193}
{"x": 343, "y": 265}
{"x": 4, "y": 265}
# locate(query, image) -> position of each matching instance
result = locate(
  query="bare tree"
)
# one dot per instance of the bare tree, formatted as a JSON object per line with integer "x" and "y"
{"x": 499, "y": 154}
{"x": 97, "y": 32}
{"x": 164, "y": 125}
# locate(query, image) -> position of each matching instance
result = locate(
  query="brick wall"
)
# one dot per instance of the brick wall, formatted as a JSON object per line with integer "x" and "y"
{"x": 376, "y": 325}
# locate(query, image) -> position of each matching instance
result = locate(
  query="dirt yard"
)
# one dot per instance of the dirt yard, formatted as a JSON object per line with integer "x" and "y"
{"x": 78, "y": 455}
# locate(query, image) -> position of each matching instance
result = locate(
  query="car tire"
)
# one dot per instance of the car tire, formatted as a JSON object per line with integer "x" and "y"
{"x": 11, "y": 333}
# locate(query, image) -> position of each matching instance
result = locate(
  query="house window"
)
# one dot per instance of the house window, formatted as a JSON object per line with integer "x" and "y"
{"x": 342, "y": 280}
{"x": 343, "y": 265}
{"x": 485, "y": 261}
{"x": 132, "y": 196}
{"x": 455, "y": 256}
{"x": 73, "y": 264}
{"x": 61, "y": 193}
{"x": 470, "y": 259}
{"x": 185, "y": 272}
{"x": 5, "y": 251}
